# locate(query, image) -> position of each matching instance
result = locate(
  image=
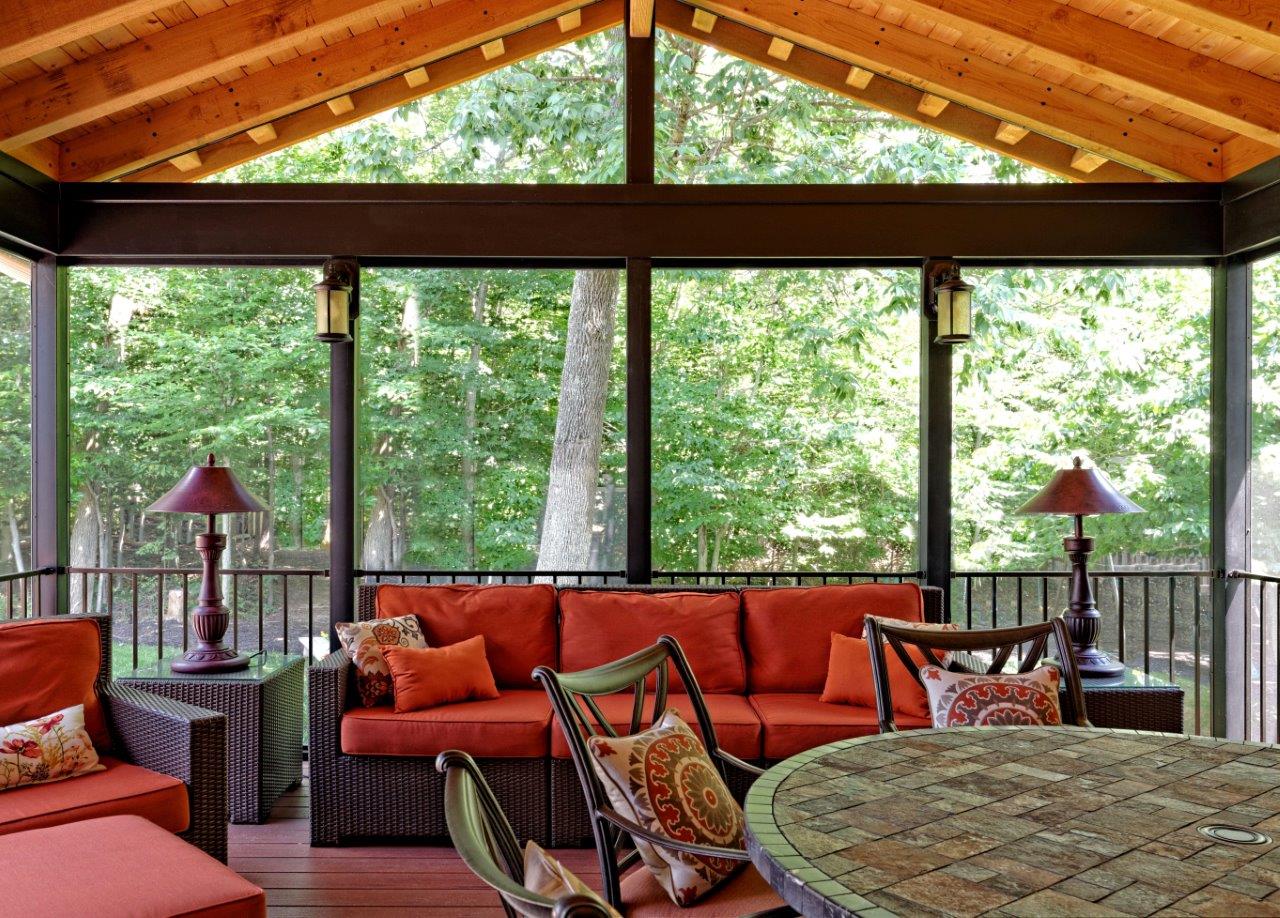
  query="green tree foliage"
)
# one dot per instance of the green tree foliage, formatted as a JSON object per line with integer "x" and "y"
{"x": 1266, "y": 415}
{"x": 15, "y": 420}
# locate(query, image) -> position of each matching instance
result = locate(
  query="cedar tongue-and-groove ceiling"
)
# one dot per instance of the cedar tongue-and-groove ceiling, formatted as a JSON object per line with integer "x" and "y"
{"x": 1093, "y": 90}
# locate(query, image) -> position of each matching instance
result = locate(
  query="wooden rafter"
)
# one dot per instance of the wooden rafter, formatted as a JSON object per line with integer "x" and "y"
{"x": 896, "y": 98}
{"x": 640, "y": 18}
{"x": 1254, "y": 22}
{"x": 191, "y": 51}
{"x": 328, "y": 73}
{"x": 449, "y": 71}
{"x": 35, "y": 26}
{"x": 1049, "y": 108}
{"x": 1123, "y": 58}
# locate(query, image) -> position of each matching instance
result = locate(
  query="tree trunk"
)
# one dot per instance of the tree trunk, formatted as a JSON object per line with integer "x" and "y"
{"x": 381, "y": 537}
{"x": 295, "y": 518}
{"x": 469, "y": 423}
{"x": 84, "y": 548}
{"x": 702, "y": 547}
{"x": 575, "y": 455}
{"x": 15, "y": 538}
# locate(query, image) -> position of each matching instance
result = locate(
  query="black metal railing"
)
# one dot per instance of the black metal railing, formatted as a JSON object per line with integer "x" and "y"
{"x": 780, "y": 578}
{"x": 577, "y": 578}
{"x": 20, "y": 593}
{"x": 1253, "y": 669}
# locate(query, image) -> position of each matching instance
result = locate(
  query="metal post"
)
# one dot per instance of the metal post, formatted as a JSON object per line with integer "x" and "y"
{"x": 50, "y": 466}
{"x": 1229, "y": 433}
{"x": 639, "y": 420}
{"x": 934, "y": 537}
{"x": 343, "y": 366}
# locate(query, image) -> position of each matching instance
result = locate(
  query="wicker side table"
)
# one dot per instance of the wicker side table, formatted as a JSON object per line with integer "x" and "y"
{"x": 1134, "y": 701}
{"x": 263, "y": 705}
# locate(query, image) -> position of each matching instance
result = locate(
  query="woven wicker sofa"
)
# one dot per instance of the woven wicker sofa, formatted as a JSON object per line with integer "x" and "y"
{"x": 760, "y": 655}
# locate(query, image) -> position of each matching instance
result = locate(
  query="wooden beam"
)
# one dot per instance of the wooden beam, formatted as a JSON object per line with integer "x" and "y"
{"x": 266, "y": 95}
{"x": 1084, "y": 161}
{"x": 493, "y": 49}
{"x": 263, "y": 133}
{"x": 858, "y": 78}
{"x": 703, "y": 21}
{"x": 1240, "y": 154}
{"x": 1122, "y": 58}
{"x": 44, "y": 156}
{"x": 186, "y": 161}
{"x": 780, "y": 48}
{"x": 932, "y": 105}
{"x": 447, "y": 72}
{"x": 974, "y": 81}
{"x": 187, "y": 53}
{"x": 1254, "y": 22}
{"x": 640, "y": 18}
{"x": 35, "y": 26}
{"x": 418, "y": 76}
{"x": 569, "y": 21}
{"x": 1010, "y": 133}
{"x": 826, "y": 72}
{"x": 342, "y": 105}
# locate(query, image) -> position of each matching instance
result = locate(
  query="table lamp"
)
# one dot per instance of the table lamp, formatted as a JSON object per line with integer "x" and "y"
{"x": 209, "y": 489}
{"x": 1081, "y": 492}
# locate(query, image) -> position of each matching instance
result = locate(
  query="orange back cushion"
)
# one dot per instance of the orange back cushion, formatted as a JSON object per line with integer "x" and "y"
{"x": 788, "y": 631}
{"x": 47, "y": 664}
{"x": 849, "y": 678}
{"x": 518, "y": 623}
{"x": 599, "y": 626}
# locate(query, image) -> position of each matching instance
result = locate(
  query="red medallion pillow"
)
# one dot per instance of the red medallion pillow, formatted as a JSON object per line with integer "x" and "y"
{"x": 427, "y": 677}
{"x": 365, "y": 642}
{"x": 999, "y": 700}
{"x": 663, "y": 779}
{"x": 849, "y": 678}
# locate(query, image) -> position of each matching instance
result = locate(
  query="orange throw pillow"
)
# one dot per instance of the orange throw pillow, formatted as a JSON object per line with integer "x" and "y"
{"x": 428, "y": 677}
{"x": 849, "y": 678}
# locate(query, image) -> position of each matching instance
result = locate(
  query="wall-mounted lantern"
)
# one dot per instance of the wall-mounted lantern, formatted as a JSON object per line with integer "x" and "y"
{"x": 335, "y": 305}
{"x": 952, "y": 303}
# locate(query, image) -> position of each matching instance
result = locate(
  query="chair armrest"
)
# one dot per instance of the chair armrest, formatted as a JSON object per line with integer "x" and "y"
{"x": 637, "y": 831}
{"x": 181, "y": 740}
{"x": 730, "y": 759}
{"x": 327, "y": 690}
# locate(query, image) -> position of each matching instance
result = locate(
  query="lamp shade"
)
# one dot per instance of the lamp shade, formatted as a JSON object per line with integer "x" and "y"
{"x": 208, "y": 489}
{"x": 1078, "y": 491}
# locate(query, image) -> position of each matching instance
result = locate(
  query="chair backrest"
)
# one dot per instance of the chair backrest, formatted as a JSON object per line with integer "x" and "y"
{"x": 1033, "y": 640}
{"x": 573, "y": 697}
{"x": 485, "y": 841}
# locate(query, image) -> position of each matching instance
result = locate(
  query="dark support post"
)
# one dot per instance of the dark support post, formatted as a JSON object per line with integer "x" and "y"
{"x": 639, "y": 103}
{"x": 343, "y": 363}
{"x": 50, "y": 476}
{"x": 639, "y": 420}
{"x": 934, "y": 537}
{"x": 1230, "y": 412}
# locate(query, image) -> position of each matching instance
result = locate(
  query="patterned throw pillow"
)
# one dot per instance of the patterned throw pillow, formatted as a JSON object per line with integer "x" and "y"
{"x": 1001, "y": 700}
{"x": 363, "y": 642}
{"x": 663, "y": 779}
{"x": 920, "y": 626}
{"x": 546, "y": 876}
{"x": 49, "y": 748}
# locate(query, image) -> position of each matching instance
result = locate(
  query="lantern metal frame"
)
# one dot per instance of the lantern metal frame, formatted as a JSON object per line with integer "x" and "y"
{"x": 944, "y": 276}
{"x": 338, "y": 274}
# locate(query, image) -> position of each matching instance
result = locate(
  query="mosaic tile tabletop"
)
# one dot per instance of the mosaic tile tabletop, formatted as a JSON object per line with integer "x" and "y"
{"x": 1020, "y": 821}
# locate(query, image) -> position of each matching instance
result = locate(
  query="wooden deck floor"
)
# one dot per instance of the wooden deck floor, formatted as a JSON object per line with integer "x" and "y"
{"x": 364, "y": 882}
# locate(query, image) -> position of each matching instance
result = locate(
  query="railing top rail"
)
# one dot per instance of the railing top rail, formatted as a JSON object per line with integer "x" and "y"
{"x": 911, "y": 574}
{"x": 361, "y": 572}
{"x": 1250, "y": 575}
{"x": 196, "y": 572}
{"x": 1145, "y": 572}
{"x": 26, "y": 575}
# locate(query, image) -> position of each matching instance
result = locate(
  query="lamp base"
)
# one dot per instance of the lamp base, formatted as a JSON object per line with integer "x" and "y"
{"x": 210, "y": 659}
{"x": 1094, "y": 664}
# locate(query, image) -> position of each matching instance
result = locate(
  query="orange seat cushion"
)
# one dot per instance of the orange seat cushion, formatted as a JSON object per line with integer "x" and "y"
{"x": 794, "y": 722}
{"x": 738, "y": 728}
{"x": 47, "y": 664}
{"x": 850, "y": 681}
{"x": 123, "y": 866}
{"x": 516, "y": 725}
{"x": 427, "y": 677}
{"x": 600, "y": 626}
{"x": 120, "y": 789}
{"x": 745, "y": 893}
{"x": 518, "y": 622}
{"x": 787, "y": 631}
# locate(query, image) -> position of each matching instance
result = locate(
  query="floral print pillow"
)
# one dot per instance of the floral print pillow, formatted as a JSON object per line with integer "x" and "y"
{"x": 363, "y": 642}
{"x": 997, "y": 700}
{"x": 49, "y": 748}
{"x": 663, "y": 779}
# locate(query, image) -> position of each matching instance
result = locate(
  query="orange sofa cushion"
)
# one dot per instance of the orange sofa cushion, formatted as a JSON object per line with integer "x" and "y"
{"x": 514, "y": 725}
{"x": 599, "y": 626}
{"x": 120, "y": 789}
{"x": 123, "y": 866}
{"x": 796, "y": 721}
{"x": 850, "y": 681}
{"x": 738, "y": 728}
{"x": 787, "y": 631}
{"x": 518, "y": 622}
{"x": 427, "y": 677}
{"x": 47, "y": 664}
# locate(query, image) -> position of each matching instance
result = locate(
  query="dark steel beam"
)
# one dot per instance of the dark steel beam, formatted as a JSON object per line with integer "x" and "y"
{"x": 639, "y": 420}
{"x": 50, "y": 431}
{"x": 343, "y": 518}
{"x": 28, "y": 209}
{"x": 651, "y": 221}
{"x": 934, "y": 526}
{"x": 1230, "y": 431}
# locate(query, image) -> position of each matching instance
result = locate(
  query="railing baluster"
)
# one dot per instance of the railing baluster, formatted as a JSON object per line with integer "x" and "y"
{"x": 160, "y": 616}
{"x": 261, "y": 623}
{"x": 968, "y": 602}
{"x": 1196, "y": 629}
{"x": 284, "y": 601}
{"x": 1044, "y": 599}
{"x": 1120, "y": 648}
{"x": 311, "y": 616}
{"x": 1248, "y": 656}
{"x": 1146, "y": 625}
{"x": 1018, "y": 582}
{"x": 1173, "y": 623}
{"x": 1275, "y": 604}
{"x": 135, "y": 621}
{"x": 1262, "y": 662}
{"x": 235, "y": 611}
{"x": 186, "y": 603}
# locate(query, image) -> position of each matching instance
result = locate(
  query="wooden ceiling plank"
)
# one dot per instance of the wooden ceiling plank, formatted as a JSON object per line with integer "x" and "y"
{"x": 1243, "y": 153}
{"x": 1101, "y": 50}
{"x": 1254, "y": 22}
{"x": 181, "y": 55}
{"x": 265, "y": 96}
{"x": 1003, "y": 92}
{"x": 34, "y": 27}
{"x": 445, "y": 72}
{"x": 640, "y": 18}
{"x": 826, "y": 72}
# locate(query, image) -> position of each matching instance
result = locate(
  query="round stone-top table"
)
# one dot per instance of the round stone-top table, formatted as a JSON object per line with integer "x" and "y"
{"x": 1035, "y": 821}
